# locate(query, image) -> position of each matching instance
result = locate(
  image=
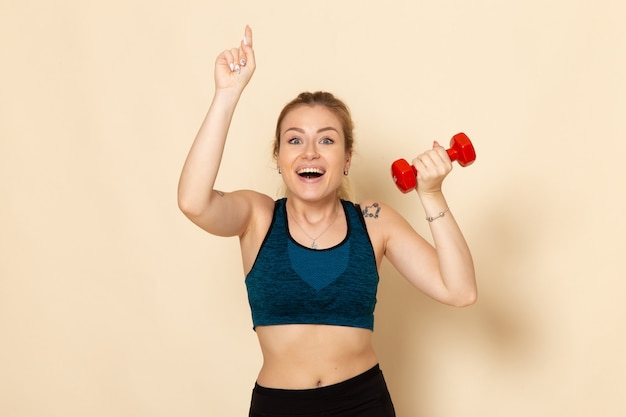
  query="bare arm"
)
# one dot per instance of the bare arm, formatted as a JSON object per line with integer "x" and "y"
{"x": 224, "y": 214}
{"x": 446, "y": 271}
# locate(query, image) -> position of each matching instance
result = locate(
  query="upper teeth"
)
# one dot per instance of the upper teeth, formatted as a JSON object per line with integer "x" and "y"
{"x": 310, "y": 171}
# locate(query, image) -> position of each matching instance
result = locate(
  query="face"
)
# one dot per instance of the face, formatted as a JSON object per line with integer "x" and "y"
{"x": 312, "y": 154}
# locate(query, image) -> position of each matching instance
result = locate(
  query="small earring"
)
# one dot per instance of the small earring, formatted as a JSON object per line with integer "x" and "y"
{"x": 279, "y": 171}
{"x": 345, "y": 172}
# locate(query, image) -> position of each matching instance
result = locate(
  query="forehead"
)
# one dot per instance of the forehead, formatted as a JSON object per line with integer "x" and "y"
{"x": 311, "y": 117}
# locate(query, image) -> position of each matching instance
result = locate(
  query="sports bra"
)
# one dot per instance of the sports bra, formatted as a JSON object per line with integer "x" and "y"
{"x": 292, "y": 284}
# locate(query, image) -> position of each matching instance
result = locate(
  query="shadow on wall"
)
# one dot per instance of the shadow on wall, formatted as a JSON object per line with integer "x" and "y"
{"x": 426, "y": 348}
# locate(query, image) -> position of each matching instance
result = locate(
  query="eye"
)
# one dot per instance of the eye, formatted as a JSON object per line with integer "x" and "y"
{"x": 294, "y": 141}
{"x": 327, "y": 141}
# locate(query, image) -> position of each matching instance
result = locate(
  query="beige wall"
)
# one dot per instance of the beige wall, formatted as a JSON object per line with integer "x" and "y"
{"x": 113, "y": 304}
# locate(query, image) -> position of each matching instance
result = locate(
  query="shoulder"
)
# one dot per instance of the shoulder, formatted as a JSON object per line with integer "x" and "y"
{"x": 380, "y": 218}
{"x": 389, "y": 231}
{"x": 381, "y": 221}
{"x": 376, "y": 211}
{"x": 370, "y": 209}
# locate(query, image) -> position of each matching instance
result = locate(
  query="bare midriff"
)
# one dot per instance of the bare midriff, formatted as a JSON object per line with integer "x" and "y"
{"x": 304, "y": 356}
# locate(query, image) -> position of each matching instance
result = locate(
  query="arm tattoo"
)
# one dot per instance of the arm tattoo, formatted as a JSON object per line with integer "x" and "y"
{"x": 371, "y": 211}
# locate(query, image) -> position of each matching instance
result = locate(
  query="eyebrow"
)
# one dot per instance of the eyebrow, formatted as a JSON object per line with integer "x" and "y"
{"x": 324, "y": 129}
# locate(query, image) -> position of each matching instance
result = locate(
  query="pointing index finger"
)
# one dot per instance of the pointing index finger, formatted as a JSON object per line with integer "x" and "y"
{"x": 247, "y": 37}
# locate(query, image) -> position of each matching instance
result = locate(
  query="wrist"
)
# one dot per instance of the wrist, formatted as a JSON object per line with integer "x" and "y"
{"x": 434, "y": 203}
{"x": 433, "y": 196}
{"x": 227, "y": 94}
{"x": 438, "y": 215}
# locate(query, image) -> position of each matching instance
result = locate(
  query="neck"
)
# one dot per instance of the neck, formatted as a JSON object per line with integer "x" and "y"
{"x": 316, "y": 224}
{"x": 313, "y": 213}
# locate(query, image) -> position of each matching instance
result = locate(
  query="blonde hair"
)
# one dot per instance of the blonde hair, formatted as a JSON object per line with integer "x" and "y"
{"x": 340, "y": 109}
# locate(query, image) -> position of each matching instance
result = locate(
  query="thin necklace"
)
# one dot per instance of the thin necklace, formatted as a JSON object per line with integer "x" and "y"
{"x": 313, "y": 244}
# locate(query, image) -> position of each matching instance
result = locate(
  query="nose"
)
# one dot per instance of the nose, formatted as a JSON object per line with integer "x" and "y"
{"x": 310, "y": 152}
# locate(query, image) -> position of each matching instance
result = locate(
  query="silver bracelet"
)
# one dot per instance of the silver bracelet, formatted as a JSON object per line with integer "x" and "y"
{"x": 441, "y": 214}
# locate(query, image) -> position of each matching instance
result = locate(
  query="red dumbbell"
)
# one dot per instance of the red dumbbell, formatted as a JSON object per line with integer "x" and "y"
{"x": 461, "y": 149}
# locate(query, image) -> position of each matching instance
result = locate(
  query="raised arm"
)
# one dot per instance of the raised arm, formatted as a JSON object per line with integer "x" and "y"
{"x": 446, "y": 271}
{"x": 224, "y": 214}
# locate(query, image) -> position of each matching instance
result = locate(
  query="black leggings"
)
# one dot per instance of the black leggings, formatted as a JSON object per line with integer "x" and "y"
{"x": 365, "y": 395}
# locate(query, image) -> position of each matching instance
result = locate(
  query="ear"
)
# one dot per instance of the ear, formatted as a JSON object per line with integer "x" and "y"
{"x": 348, "y": 161}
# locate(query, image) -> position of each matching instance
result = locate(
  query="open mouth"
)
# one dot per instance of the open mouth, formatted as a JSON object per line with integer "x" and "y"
{"x": 310, "y": 173}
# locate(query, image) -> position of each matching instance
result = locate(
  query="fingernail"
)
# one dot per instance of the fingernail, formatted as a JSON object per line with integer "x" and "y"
{"x": 242, "y": 62}
{"x": 237, "y": 69}
{"x": 232, "y": 66}
{"x": 245, "y": 41}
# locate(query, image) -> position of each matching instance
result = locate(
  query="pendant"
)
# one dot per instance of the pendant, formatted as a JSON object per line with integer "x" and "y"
{"x": 313, "y": 245}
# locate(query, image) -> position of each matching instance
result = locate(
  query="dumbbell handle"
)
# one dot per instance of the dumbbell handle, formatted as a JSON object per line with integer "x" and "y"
{"x": 461, "y": 150}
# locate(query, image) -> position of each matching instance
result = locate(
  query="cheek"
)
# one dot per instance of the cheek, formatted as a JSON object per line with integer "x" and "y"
{"x": 284, "y": 159}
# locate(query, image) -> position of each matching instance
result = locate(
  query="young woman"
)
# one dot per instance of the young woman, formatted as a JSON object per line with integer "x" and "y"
{"x": 311, "y": 259}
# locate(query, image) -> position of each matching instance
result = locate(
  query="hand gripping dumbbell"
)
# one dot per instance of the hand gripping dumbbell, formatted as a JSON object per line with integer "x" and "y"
{"x": 461, "y": 149}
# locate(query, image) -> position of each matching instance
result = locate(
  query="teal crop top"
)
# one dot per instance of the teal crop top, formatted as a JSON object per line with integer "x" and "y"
{"x": 292, "y": 284}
